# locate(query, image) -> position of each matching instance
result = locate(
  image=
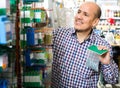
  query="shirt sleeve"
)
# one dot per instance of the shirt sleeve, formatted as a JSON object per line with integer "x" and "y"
{"x": 110, "y": 72}
{"x": 55, "y": 33}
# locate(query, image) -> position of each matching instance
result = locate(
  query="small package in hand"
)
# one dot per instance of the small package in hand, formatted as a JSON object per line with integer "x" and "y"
{"x": 93, "y": 57}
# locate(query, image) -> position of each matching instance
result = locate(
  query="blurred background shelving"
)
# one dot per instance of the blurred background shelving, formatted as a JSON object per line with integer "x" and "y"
{"x": 26, "y": 37}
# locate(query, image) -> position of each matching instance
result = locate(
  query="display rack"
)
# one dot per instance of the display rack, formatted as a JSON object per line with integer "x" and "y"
{"x": 7, "y": 72}
{"x": 35, "y": 43}
{"x": 7, "y": 50}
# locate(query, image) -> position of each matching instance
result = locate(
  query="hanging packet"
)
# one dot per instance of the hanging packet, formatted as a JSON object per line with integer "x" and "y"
{"x": 93, "y": 57}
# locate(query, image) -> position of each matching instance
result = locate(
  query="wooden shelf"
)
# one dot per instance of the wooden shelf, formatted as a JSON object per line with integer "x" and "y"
{"x": 42, "y": 8}
{"x": 104, "y": 18}
{"x": 115, "y": 45}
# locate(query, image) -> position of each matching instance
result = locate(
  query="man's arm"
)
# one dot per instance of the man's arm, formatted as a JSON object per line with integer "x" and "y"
{"x": 110, "y": 72}
{"x": 109, "y": 68}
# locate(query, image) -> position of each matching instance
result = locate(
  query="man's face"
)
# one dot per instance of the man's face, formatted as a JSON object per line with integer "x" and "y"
{"x": 85, "y": 17}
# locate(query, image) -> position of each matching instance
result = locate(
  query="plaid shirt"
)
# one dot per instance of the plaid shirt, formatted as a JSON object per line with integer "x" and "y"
{"x": 69, "y": 59}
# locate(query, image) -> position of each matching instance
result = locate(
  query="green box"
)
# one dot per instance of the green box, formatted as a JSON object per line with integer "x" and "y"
{"x": 96, "y": 50}
{"x": 2, "y": 11}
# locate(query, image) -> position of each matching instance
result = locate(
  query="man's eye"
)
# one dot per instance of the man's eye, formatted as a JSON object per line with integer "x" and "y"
{"x": 78, "y": 12}
{"x": 86, "y": 14}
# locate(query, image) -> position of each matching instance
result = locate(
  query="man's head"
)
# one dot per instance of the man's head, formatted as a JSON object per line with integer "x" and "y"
{"x": 87, "y": 17}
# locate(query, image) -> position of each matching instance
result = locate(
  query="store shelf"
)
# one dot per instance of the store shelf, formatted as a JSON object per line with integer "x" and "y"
{"x": 116, "y": 18}
{"x": 37, "y": 49}
{"x": 115, "y": 45}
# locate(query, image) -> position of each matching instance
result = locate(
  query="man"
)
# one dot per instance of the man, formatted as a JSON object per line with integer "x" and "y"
{"x": 70, "y": 45}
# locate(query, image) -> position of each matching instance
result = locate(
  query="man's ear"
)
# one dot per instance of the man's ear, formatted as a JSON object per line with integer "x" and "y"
{"x": 95, "y": 22}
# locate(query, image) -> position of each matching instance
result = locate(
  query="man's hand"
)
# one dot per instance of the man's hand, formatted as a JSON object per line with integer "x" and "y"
{"x": 105, "y": 58}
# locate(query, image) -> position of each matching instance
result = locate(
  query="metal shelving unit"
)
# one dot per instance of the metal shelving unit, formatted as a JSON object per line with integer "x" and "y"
{"x": 36, "y": 40}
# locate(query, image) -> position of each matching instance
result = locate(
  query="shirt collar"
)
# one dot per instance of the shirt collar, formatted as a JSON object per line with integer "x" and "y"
{"x": 72, "y": 31}
{"x": 91, "y": 37}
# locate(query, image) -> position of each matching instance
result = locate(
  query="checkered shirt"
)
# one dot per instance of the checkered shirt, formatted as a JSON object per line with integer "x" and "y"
{"x": 69, "y": 61}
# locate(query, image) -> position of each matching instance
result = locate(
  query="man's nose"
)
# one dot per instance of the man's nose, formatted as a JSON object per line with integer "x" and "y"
{"x": 80, "y": 15}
